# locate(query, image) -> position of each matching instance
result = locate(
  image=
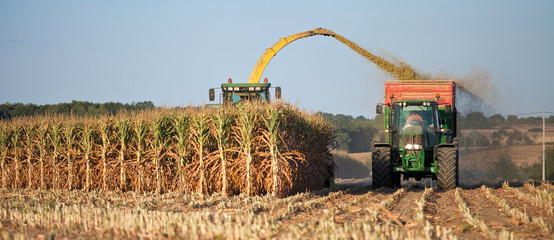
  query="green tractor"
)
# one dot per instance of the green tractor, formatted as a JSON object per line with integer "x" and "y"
{"x": 420, "y": 134}
{"x": 235, "y": 93}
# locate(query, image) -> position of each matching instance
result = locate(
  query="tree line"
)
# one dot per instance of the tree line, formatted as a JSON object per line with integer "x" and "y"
{"x": 78, "y": 108}
{"x": 478, "y": 120}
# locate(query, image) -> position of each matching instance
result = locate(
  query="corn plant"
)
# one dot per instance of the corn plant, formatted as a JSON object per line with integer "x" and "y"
{"x": 140, "y": 129}
{"x": 69, "y": 135}
{"x": 161, "y": 130}
{"x": 222, "y": 129}
{"x": 88, "y": 132}
{"x": 43, "y": 130}
{"x": 30, "y": 131}
{"x": 4, "y": 145}
{"x": 55, "y": 138}
{"x": 182, "y": 135}
{"x": 16, "y": 148}
{"x": 246, "y": 125}
{"x": 272, "y": 124}
{"x": 124, "y": 135}
{"x": 105, "y": 129}
{"x": 200, "y": 133}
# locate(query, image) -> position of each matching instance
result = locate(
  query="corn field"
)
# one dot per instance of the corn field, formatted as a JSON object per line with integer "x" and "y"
{"x": 254, "y": 149}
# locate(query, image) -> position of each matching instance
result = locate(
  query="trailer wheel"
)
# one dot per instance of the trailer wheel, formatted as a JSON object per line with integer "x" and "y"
{"x": 381, "y": 172}
{"x": 447, "y": 167}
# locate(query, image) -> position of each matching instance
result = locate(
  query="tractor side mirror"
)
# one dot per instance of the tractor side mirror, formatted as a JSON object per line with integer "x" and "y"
{"x": 278, "y": 92}
{"x": 212, "y": 94}
{"x": 379, "y": 109}
{"x": 447, "y": 108}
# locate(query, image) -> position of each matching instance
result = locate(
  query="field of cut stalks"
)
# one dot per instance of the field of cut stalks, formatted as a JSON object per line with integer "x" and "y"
{"x": 349, "y": 210}
{"x": 252, "y": 149}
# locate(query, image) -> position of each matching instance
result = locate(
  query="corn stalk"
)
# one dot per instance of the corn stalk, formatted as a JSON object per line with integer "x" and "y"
{"x": 43, "y": 147}
{"x": 124, "y": 132}
{"x": 4, "y": 145}
{"x": 55, "y": 137}
{"x": 105, "y": 128}
{"x": 247, "y": 124}
{"x": 271, "y": 122}
{"x": 16, "y": 134}
{"x": 182, "y": 135}
{"x": 200, "y": 134}
{"x": 29, "y": 146}
{"x": 222, "y": 129}
{"x": 141, "y": 129}
{"x": 69, "y": 140}
{"x": 161, "y": 130}
{"x": 87, "y": 142}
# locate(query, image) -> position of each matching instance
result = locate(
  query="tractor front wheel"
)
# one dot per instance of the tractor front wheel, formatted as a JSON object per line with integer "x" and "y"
{"x": 381, "y": 171}
{"x": 447, "y": 167}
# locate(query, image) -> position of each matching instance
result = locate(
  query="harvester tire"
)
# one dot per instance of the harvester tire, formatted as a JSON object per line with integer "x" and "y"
{"x": 381, "y": 171}
{"x": 447, "y": 167}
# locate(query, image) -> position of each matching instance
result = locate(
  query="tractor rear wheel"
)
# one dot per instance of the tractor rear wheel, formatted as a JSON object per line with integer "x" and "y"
{"x": 381, "y": 171}
{"x": 447, "y": 167}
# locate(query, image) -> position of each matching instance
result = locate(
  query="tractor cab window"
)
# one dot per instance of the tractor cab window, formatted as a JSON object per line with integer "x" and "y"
{"x": 243, "y": 96}
{"x": 415, "y": 124}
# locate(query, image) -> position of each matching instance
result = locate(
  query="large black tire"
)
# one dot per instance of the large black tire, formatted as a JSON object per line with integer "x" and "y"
{"x": 381, "y": 171}
{"x": 447, "y": 167}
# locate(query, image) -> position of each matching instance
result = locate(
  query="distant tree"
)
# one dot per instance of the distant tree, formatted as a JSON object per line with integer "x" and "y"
{"x": 534, "y": 171}
{"x": 352, "y": 134}
{"x": 496, "y": 120}
{"x": 475, "y": 139}
{"x": 516, "y": 138}
{"x": 477, "y": 120}
{"x": 511, "y": 119}
{"x": 505, "y": 168}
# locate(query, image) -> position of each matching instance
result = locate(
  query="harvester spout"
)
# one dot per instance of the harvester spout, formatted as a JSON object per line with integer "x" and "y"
{"x": 272, "y": 51}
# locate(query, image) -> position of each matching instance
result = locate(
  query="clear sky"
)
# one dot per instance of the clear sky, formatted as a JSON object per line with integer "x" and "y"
{"x": 172, "y": 52}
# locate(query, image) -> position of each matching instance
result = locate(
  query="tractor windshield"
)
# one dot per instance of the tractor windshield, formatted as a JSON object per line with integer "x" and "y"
{"x": 415, "y": 124}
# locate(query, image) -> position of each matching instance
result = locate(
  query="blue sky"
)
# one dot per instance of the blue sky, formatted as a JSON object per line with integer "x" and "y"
{"x": 172, "y": 52}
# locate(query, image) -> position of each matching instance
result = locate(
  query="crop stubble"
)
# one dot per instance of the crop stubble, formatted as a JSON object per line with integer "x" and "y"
{"x": 345, "y": 211}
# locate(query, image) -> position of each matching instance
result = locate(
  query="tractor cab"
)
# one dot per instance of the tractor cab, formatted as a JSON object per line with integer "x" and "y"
{"x": 415, "y": 123}
{"x": 236, "y": 93}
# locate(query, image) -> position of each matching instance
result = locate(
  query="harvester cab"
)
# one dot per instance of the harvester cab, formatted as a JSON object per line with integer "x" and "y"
{"x": 420, "y": 129}
{"x": 236, "y": 93}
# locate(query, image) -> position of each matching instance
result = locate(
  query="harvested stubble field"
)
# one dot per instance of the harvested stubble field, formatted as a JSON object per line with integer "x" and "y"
{"x": 350, "y": 210}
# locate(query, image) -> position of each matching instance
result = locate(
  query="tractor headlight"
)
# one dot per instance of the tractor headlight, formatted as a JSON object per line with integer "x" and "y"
{"x": 413, "y": 146}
